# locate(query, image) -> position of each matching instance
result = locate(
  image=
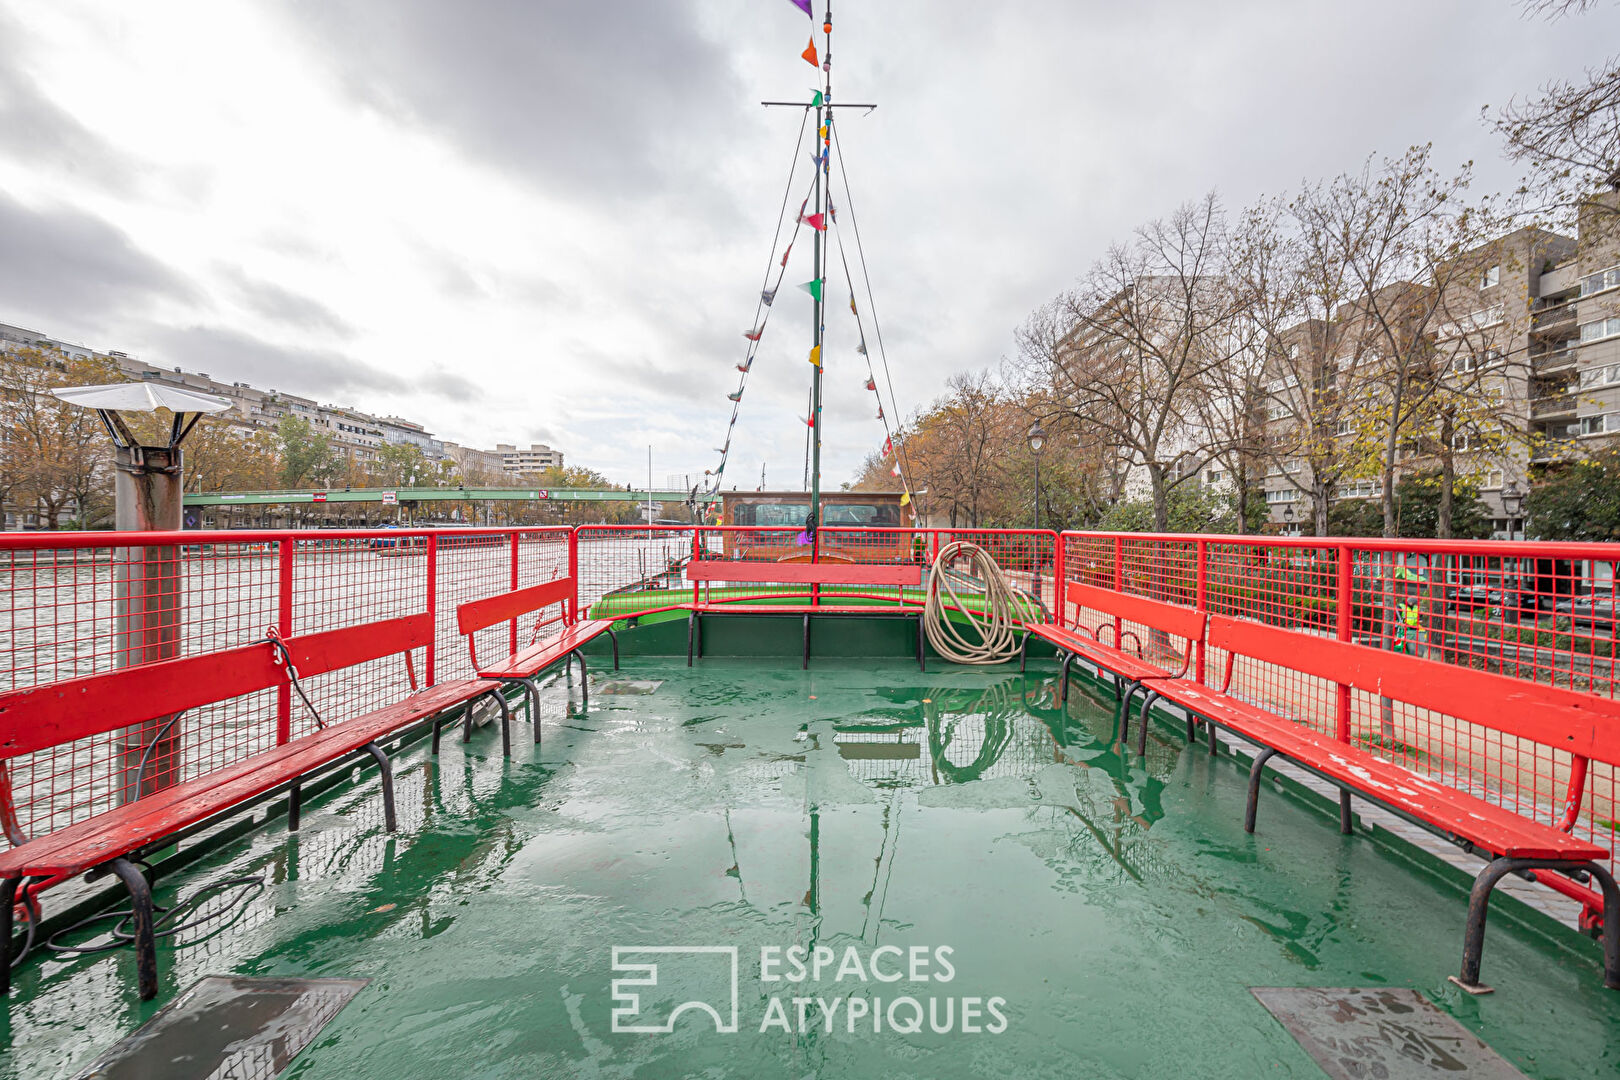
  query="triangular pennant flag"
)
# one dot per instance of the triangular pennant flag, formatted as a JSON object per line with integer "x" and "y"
{"x": 816, "y": 221}
{"x": 888, "y": 448}
{"x": 871, "y": 385}
{"x": 813, "y": 288}
{"x": 810, "y": 421}
{"x": 809, "y": 53}
{"x": 896, "y": 470}
{"x": 767, "y": 296}
{"x": 735, "y": 397}
{"x": 815, "y": 102}
{"x": 815, "y": 355}
{"x": 804, "y": 6}
{"x": 723, "y": 450}
{"x": 745, "y": 365}
{"x": 753, "y": 335}
{"x": 880, "y": 410}
{"x": 861, "y": 348}
{"x": 905, "y": 500}
{"x": 822, "y": 131}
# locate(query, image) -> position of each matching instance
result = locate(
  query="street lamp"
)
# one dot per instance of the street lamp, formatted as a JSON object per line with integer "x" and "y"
{"x": 1037, "y": 440}
{"x": 148, "y": 490}
{"x": 1512, "y": 502}
{"x": 1288, "y": 516}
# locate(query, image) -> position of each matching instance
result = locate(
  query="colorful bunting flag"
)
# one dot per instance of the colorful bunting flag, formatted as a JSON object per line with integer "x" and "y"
{"x": 753, "y": 335}
{"x": 804, "y": 6}
{"x": 810, "y": 421}
{"x": 815, "y": 102}
{"x": 888, "y": 448}
{"x": 822, "y": 131}
{"x": 861, "y": 348}
{"x": 852, "y": 310}
{"x": 815, "y": 355}
{"x": 905, "y": 499}
{"x": 745, "y": 365}
{"x": 813, "y": 288}
{"x": 785, "y": 255}
{"x": 767, "y": 296}
{"x": 871, "y": 385}
{"x": 809, "y": 53}
{"x": 735, "y": 397}
{"x": 880, "y": 410}
{"x": 815, "y": 221}
{"x": 896, "y": 470}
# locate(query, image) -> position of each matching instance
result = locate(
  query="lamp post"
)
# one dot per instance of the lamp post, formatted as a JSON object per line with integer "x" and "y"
{"x": 1512, "y": 503}
{"x": 1037, "y": 440}
{"x": 1288, "y": 518}
{"x": 149, "y": 489}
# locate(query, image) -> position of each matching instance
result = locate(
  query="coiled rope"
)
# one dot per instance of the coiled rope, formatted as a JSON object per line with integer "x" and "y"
{"x": 995, "y": 627}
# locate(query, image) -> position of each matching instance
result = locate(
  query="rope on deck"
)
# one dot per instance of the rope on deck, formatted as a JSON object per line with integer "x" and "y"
{"x": 997, "y": 643}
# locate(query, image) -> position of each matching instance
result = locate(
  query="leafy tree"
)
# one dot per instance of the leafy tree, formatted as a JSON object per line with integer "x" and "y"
{"x": 1191, "y": 509}
{"x": 1578, "y": 501}
{"x": 306, "y": 455}
{"x": 1418, "y": 504}
{"x": 219, "y": 456}
{"x": 54, "y": 457}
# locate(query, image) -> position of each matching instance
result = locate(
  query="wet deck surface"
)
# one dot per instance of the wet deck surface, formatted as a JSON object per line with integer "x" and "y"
{"x": 1116, "y": 907}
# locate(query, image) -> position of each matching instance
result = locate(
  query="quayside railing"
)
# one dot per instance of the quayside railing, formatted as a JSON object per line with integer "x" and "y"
{"x": 74, "y": 604}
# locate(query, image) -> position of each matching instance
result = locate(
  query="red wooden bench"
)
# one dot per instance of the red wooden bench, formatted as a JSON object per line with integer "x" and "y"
{"x": 56, "y": 714}
{"x": 523, "y": 666}
{"x": 703, "y": 572}
{"x": 1132, "y": 667}
{"x": 1583, "y": 725}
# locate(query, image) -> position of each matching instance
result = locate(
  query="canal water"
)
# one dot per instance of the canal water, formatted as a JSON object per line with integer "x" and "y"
{"x": 947, "y": 876}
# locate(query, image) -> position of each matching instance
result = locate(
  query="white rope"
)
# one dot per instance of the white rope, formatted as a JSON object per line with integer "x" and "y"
{"x": 995, "y": 627}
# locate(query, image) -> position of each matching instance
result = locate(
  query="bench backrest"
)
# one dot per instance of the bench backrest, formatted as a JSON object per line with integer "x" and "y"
{"x": 800, "y": 573}
{"x": 39, "y": 717}
{"x": 477, "y": 615}
{"x": 1583, "y": 724}
{"x": 1174, "y": 619}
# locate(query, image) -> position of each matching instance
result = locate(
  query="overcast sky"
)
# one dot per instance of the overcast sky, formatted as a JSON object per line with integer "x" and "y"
{"x": 522, "y": 220}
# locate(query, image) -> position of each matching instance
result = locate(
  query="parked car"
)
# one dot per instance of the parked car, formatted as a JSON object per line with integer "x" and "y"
{"x": 1595, "y": 610}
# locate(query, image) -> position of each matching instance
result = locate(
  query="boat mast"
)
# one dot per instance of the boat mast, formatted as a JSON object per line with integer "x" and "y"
{"x": 818, "y": 296}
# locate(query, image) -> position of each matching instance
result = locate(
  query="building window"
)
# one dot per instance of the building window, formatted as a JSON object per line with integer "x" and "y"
{"x": 1492, "y": 277}
{"x": 1601, "y": 281}
{"x": 1493, "y": 479}
{"x": 1600, "y": 376}
{"x": 1463, "y": 363}
{"x": 1599, "y": 329}
{"x": 1277, "y": 412}
{"x": 1598, "y": 425}
{"x": 1285, "y": 496}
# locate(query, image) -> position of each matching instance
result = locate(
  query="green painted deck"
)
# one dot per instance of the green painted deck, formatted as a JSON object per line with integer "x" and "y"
{"x": 1116, "y": 906}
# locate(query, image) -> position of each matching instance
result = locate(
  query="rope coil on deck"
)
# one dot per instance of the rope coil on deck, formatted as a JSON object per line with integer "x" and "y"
{"x": 1003, "y": 610}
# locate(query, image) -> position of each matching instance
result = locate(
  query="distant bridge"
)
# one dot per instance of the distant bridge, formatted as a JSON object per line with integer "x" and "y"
{"x": 394, "y": 496}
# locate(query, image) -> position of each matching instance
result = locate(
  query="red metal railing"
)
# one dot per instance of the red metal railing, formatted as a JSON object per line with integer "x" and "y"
{"x": 1537, "y": 611}
{"x": 1534, "y": 611}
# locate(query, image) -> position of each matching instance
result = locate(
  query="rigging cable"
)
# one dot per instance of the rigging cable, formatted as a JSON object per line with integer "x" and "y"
{"x": 765, "y": 286}
{"x": 1003, "y": 611}
{"x": 877, "y": 328}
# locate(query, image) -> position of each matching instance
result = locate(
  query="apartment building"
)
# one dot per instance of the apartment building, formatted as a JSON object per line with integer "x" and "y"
{"x": 537, "y": 458}
{"x": 1526, "y": 350}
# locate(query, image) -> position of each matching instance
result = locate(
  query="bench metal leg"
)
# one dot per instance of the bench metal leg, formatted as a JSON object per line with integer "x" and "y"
{"x": 1260, "y": 759}
{"x": 1192, "y": 728}
{"x": 806, "y": 665}
{"x": 1344, "y": 812}
{"x": 389, "y": 822}
{"x": 295, "y": 804}
{"x": 8, "y": 900}
{"x": 691, "y": 633}
{"x": 584, "y": 682}
{"x": 922, "y": 644}
{"x": 531, "y": 695}
{"x": 1214, "y": 743}
{"x": 613, "y": 637}
{"x": 1063, "y": 679}
{"x": 1023, "y": 652}
{"x": 140, "y": 897}
{"x": 499, "y": 697}
{"x": 1141, "y": 738}
{"x": 1479, "y": 899}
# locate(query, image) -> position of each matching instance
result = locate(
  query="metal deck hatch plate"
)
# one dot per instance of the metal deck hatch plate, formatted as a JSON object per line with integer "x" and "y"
{"x": 225, "y": 1026}
{"x": 1394, "y": 1033}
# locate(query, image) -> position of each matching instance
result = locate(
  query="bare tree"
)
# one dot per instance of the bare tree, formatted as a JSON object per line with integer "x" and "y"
{"x": 1132, "y": 349}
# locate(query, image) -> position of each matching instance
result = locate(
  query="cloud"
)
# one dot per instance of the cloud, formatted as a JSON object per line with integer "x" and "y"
{"x": 443, "y": 384}
{"x": 63, "y": 268}
{"x": 232, "y": 356}
{"x": 583, "y": 98}
{"x": 290, "y": 310}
